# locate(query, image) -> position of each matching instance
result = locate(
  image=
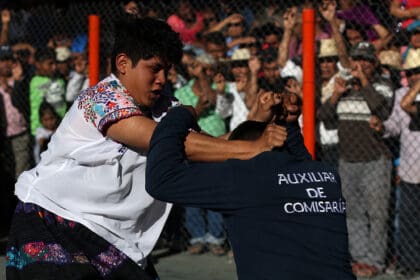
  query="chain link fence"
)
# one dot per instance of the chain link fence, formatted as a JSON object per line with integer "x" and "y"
{"x": 367, "y": 118}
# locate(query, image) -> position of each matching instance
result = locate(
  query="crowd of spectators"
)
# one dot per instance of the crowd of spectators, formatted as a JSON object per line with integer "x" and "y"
{"x": 368, "y": 79}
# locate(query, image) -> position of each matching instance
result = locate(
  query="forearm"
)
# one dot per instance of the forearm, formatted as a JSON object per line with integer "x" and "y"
{"x": 283, "y": 50}
{"x": 251, "y": 91}
{"x": 407, "y": 102}
{"x": 199, "y": 147}
{"x": 4, "y": 36}
{"x": 203, "y": 148}
{"x": 340, "y": 44}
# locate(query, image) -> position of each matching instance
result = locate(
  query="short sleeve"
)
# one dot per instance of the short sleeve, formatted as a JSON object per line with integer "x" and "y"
{"x": 107, "y": 103}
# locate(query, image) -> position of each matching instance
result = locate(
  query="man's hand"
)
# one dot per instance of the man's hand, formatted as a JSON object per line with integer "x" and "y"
{"x": 5, "y": 16}
{"x": 376, "y": 124}
{"x": 266, "y": 100}
{"x": 292, "y": 107}
{"x": 327, "y": 10}
{"x": 358, "y": 72}
{"x": 273, "y": 136}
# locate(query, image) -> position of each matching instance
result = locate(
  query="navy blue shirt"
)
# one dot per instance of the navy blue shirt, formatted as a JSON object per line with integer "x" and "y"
{"x": 285, "y": 214}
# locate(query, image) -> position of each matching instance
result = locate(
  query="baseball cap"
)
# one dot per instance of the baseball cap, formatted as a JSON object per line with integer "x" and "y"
{"x": 6, "y": 52}
{"x": 363, "y": 50}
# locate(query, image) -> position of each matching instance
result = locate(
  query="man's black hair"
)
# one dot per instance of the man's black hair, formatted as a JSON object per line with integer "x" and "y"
{"x": 355, "y": 26}
{"x": 47, "y": 107}
{"x": 269, "y": 55}
{"x": 248, "y": 130}
{"x": 270, "y": 29}
{"x": 44, "y": 54}
{"x": 215, "y": 37}
{"x": 145, "y": 38}
{"x": 276, "y": 87}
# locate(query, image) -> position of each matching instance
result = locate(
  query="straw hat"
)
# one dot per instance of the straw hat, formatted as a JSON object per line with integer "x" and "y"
{"x": 206, "y": 59}
{"x": 391, "y": 58}
{"x": 241, "y": 54}
{"x": 327, "y": 48}
{"x": 62, "y": 54}
{"x": 412, "y": 60}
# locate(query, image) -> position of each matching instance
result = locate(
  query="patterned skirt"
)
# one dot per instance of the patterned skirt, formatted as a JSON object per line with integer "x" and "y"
{"x": 43, "y": 245}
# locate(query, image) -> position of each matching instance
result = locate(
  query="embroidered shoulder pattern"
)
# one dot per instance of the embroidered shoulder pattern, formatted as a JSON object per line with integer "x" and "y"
{"x": 106, "y": 103}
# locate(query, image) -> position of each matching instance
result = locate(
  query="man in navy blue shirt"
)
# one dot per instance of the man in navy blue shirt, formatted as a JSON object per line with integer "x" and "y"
{"x": 285, "y": 214}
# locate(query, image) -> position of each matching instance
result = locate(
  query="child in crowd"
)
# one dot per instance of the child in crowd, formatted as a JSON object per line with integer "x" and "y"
{"x": 44, "y": 87}
{"x": 49, "y": 123}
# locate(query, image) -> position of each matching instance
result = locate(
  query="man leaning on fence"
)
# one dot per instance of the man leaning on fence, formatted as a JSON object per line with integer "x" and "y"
{"x": 364, "y": 160}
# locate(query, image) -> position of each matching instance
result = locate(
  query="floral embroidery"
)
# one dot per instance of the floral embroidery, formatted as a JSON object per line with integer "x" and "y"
{"x": 108, "y": 260}
{"x": 106, "y": 103}
{"x": 32, "y": 252}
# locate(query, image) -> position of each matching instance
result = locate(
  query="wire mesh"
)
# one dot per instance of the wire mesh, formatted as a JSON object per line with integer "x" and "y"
{"x": 244, "y": 47}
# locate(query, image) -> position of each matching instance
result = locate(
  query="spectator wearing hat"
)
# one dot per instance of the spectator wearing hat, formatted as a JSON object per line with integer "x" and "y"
{"x": 329, "y": 72}
{"x": 199, "y": 94}
{"x": 63, "y": 59}
{"x": 16, "y": 125}
{"x": 235, "y": 101}
{"x": 364, "y": 160}
{"x": 44, "y": 86}
{"x": 410, "y": 103}
{"x": 391, "y": 64}
{"x": 402, "y": 124}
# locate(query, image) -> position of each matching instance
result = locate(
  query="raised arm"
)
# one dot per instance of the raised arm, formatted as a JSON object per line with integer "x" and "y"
{"x": 289, "y": 19}
{"x": 328, "y": 13}
{"x": 408, "y": 101}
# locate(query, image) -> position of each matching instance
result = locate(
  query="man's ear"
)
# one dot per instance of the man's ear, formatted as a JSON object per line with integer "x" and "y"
{"x": 122, "y": 63}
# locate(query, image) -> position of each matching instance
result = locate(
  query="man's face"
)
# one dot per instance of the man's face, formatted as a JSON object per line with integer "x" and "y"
{"x": 415, "y": 40}
{"x": 328, "y": 66}
{"x": 217, "y": 51}
{"x": 271, "y": 71}
{"x": 46, "y": 67}
{"x": 354, "y": 37}
{"x": 367, "y": 66}
{"x": 6, "y": 68}
{"x": 145, "y": 81}
{"x": 235, "y": 29}
{"x": 63, "y": 68}
{"x": 186, "y": 12}
{"x": 272, "y": 40}
{"x": 187, "y": 61}
{"x": 240, "y": 68}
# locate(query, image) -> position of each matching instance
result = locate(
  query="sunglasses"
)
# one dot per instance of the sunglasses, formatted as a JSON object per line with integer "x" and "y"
{"x": 236, "y": 24}
{"x": 327, "y": 59}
